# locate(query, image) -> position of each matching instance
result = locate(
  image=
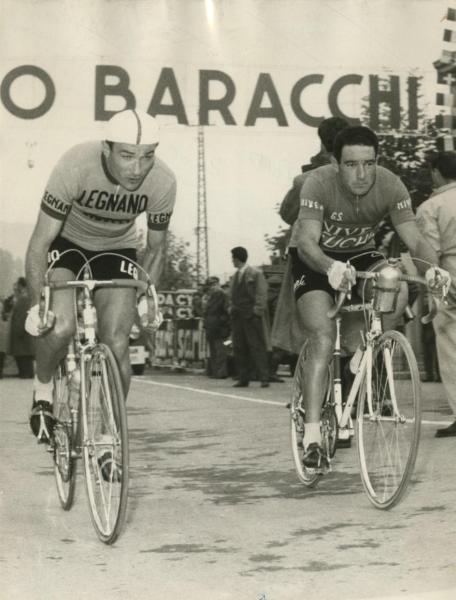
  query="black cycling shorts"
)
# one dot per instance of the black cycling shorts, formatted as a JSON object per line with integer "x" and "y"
{"x": 106, "y": 264}
{"x": 306, "y": 279}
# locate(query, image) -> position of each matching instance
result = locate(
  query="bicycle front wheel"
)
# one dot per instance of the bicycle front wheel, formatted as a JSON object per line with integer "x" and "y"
{"x": 388, "y": 427}
{"x": 105, "y": 444}
{"x": 64, "y": 439}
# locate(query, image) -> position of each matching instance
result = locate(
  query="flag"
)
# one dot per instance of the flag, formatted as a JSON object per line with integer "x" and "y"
{"x": 445, "y": 143}
{"x": 446, "y": 100}
{"x": 447, "y": 77}
{"x": 445, "y": 122}
{"x": 449, "y": 35}
{"x": 451, "y": 15}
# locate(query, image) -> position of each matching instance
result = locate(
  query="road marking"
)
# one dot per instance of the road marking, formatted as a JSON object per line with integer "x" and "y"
{"x": 209, "y": 392}
{"x": 246, "y": 398}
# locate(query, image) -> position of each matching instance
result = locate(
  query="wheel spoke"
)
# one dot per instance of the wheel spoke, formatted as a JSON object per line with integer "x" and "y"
{"x": 388, "y": 437}
{"x": 63, "y": 442}
{"x": 106, "y": 445}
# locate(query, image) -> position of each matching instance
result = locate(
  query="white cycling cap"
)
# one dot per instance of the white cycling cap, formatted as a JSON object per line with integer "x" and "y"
{"x": 132, "y": 127}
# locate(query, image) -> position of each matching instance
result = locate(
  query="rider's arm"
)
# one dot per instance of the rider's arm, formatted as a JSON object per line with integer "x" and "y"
{"x": 417, "y": 244}
{"x": 46, "y": 230}
{"x": 308, "y": 239}
{"x": 154, "y": 255}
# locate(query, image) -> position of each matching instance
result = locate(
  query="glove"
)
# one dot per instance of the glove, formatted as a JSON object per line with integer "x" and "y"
{"x": 150, "y": 316}
{"x": 438, "y": 281}
{"x": 34, "y": 324}
{"x": 340, "y": 276}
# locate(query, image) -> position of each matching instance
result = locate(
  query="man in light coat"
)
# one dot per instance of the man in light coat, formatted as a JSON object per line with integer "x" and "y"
{"x": 437, "y": 220}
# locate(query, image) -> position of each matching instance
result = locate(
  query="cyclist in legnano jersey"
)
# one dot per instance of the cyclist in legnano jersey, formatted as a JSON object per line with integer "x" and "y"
{"x": 341, "y": 205}
{"x": 91, "y": 202}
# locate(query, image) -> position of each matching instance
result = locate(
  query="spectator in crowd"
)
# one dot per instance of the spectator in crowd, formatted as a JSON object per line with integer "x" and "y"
{"x": 199, "y": 301}
{"x": 22, "y": 343}
{"x": 286, "y": 328}
{"x": 4, "y": 332}
{"x": 217, "y": 325}
{"x": 430, "y": 356}
{"x": 437, "y": 220}
{"x": 248, "y": 296}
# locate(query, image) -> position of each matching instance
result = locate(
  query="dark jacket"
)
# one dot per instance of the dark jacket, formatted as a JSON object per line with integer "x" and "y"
{"x": 21, "y": 343}
{"x": 289, "y": 207}
{"x": 216, "y": 316}
{"x": 249, "y": 296}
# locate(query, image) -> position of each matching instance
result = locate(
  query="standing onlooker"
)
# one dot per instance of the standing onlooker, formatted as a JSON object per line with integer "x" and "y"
{"x": 22, "y": 343}
{"x": 248, "y": 309}
{"x": 437, "y": 220}
{"x": 217, "y": 325}
{"x": 4, "y": 331}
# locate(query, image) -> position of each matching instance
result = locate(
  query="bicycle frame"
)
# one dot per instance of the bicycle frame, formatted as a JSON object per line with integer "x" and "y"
{"x": 364, "y": 368}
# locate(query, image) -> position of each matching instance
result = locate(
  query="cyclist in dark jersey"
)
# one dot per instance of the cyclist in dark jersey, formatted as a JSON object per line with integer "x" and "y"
{"x": 91, "y": 202}
{"x": 341, "y": 205}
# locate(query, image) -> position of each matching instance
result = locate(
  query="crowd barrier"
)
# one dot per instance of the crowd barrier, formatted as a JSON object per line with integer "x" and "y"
{"x": 181, "y": 339}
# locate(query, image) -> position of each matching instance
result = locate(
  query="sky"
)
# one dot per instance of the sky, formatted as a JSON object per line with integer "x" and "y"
{"x": 241, "y": 45}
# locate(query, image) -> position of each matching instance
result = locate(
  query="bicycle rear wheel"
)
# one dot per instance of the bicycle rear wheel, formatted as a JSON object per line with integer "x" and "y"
{"x": 105, "y": 444}
{"x": 64, "y": 439}
{"x": 388, "y": 438}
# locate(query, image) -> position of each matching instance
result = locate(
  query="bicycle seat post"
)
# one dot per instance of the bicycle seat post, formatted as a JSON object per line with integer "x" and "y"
{"x": 88, "y": 317}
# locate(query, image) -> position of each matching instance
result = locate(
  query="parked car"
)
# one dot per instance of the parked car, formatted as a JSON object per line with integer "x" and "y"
{"x": 138, "y": 350}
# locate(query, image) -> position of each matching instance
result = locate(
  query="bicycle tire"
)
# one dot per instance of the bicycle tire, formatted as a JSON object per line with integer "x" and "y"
{"x": 105, "y": 444}
{"x": 309, "y": 477}
{"x": 64, "y": 439}
{"x": 329, "y": 425}
{"x": 387, "y": 441}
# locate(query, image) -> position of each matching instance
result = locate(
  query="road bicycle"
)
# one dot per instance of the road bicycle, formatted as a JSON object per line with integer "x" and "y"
{"x": 386, "y": 394}
{"x": 90, "y": 411}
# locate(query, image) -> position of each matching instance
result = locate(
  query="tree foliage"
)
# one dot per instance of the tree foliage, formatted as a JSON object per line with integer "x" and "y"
{"x": 179, "y": 269}
{"x": 10, "y": 269}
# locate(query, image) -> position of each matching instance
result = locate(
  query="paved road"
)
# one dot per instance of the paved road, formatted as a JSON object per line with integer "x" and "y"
{"x": 216, "y": 511}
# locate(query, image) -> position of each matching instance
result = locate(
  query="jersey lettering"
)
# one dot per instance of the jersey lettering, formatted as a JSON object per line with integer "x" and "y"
{"x": 337, "y": 216}
{"x": 311, "y": 204}
{"x": 407, "y": 203}
{"x": 101, "y": 200}
{"x": 159, "y": 221}
{"x": 53, "y": 255}
{"x": 335, "y": 237}
{"x": 56, "y": 205}
{"x": 129, "y": 268}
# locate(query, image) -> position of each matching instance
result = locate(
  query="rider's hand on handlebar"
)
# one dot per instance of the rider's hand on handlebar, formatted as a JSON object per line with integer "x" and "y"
{"x": 341, "y": 276}
{"x": 438, "y": 281}
{"x": 150, "y": 316}
{"x": 34, "y": 324}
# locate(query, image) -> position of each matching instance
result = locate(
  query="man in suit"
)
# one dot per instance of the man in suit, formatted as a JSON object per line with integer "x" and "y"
{"x": 248, "y": 295}
{"x": 217, "y": 325}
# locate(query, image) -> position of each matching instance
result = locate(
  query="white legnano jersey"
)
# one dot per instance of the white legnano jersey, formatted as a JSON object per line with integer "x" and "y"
{"x": 96, "y": 211}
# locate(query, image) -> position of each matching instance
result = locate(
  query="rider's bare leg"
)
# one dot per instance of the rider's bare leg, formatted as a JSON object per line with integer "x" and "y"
{"x": 116, "y": 311}
{"x": 51, "y": 347}
{"x": 320, "y": 334}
